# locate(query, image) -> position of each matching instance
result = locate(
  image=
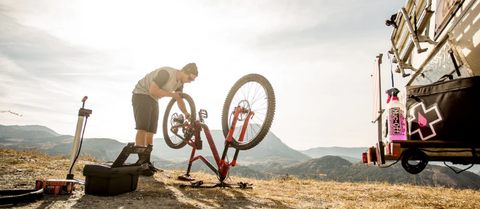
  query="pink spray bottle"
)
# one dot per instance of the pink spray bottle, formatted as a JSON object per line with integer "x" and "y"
{"x": 396, "y": 116}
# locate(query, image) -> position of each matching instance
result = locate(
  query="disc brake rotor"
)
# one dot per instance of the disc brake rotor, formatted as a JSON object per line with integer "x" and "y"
{"x": 245, "y": 105}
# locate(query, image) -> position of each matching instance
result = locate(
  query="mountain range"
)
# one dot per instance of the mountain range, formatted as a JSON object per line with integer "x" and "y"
{"x": 270, "y": 159}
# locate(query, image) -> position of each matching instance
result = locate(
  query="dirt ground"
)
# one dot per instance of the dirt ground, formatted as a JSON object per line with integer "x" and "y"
{"x": 19, "y": 170}
{"x": 162, "y": 190}
{"x": 158, "y": 191}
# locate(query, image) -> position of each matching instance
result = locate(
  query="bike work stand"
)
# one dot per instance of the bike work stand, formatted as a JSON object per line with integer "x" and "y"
{"x": 200, "y": 184}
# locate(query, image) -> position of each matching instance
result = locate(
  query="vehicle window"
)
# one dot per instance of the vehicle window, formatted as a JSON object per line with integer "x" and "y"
{"x": 440, "y": 65}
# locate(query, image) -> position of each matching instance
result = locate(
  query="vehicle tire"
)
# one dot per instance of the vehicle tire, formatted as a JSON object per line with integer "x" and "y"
{"x": 178, "y": 140}
{"x": 414, "y": 155}
{"x": 255, "y": 93}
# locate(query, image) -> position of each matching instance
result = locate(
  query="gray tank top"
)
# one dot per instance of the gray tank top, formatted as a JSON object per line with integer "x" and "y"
{"x": 143, "y": 85}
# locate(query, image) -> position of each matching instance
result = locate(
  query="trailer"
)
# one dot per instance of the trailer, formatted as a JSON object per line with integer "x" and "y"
{"x": 435, "y": 46}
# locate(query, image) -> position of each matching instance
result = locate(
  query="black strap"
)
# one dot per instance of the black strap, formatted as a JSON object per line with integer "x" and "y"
{"x": 444, "y": 77}
{"x": 414, "y": 97}
{"x": 18, "y": 196}
{"x": 454, "y": 62}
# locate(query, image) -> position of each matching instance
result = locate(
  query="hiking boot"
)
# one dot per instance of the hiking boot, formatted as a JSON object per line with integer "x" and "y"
{"x": 153, "y": 168}
{"x": 147, "y": 172}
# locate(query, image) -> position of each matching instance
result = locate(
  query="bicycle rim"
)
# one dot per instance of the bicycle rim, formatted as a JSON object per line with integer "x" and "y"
{"x": 255, "y": 93}
{"x": 176, "y": 139}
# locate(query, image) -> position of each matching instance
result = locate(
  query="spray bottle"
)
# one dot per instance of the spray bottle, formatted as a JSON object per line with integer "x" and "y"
{"x": 396, "y": 116}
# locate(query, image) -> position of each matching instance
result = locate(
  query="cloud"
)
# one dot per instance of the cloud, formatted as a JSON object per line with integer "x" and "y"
{"x": 319, "y": 22}
{"x": 313, "y": 52}
{"x": 38, "y": 53}
{"x": 43, "y": 76}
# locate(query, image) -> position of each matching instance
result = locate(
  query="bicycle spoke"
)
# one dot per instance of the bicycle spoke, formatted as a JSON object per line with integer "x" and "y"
{"x": 174, "y": 118}
{"x": 255, "y": 95}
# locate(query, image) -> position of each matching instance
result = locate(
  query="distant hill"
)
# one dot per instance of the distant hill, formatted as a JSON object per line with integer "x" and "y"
{"x": 353, "y": 154}
{"x": 47, "y": 141}
{"x": 270, "y": 149}
{"x": 31, "y": 137}
{"x": 334, "y": 168}
{"x": 270, "y": 159}
{"x": 11, "y": 131}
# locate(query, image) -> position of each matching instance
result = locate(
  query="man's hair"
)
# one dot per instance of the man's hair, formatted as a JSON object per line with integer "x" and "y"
{"x": 191, "y": 68}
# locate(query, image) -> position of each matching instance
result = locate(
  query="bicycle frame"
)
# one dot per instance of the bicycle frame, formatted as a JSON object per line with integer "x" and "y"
{"x": 222, "y": 166}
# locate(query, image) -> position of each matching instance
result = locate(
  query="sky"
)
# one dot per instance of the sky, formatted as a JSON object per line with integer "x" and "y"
{"x": 317, "y": 54}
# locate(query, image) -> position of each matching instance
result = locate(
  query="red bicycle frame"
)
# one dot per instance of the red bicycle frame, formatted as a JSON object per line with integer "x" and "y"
{"x": 222, "y": 167}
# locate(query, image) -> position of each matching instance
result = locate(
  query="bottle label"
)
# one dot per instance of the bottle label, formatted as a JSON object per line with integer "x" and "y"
{"x": 397, "y": 123}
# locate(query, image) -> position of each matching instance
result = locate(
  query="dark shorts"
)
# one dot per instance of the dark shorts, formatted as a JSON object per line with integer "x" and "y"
{"x": 145, "y": 111}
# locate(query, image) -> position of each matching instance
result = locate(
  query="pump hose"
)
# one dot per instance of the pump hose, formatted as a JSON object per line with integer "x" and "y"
{"x": 80, "y": 146}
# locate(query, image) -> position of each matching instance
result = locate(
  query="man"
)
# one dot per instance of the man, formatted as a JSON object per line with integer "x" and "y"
{"x": 162, "y": 82}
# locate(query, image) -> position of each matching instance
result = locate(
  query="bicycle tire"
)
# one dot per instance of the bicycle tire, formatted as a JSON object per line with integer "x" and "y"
{"x": 260, "y": 123}
{"x": 174, "y": 141}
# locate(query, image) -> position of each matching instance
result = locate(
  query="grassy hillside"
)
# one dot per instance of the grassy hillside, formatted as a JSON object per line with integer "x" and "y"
{"x": 270, "y": 159}
{"x": 19, "y": 170}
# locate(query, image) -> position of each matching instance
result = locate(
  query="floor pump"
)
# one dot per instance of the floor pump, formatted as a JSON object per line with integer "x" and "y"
{"x": 83, "y": 115}
{"x": 66, "y": 186}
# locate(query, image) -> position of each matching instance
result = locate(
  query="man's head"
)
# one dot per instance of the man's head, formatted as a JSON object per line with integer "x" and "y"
{"x": 191, "y": 72}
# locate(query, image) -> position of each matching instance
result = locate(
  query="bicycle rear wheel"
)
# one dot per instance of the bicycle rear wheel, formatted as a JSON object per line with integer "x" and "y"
{"x": 255, "y": 94}
{"x": 175, "y": 133}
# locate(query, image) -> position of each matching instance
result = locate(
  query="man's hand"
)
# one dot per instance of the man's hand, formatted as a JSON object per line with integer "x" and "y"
{"x": 181, "y": 104}
{"x": 188, "y": 116}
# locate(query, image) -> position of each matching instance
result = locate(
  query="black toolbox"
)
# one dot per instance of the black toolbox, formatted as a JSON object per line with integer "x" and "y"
{"x": 117, "y": 177}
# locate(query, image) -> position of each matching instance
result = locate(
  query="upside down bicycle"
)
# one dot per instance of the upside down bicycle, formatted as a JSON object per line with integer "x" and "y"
{"x": 246, "y": 119}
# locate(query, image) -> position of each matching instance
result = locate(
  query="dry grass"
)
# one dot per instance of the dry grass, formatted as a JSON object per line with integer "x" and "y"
{"x": 161, "y": 191}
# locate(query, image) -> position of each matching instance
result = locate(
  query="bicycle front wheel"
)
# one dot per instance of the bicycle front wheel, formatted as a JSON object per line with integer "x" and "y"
{"x": 253, "y": 93}
{"x": 175, "y": 132}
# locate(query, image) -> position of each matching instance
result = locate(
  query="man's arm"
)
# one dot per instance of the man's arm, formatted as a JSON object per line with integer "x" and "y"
{"x": 155, "y": 90}
{"x": 181, "y": 105}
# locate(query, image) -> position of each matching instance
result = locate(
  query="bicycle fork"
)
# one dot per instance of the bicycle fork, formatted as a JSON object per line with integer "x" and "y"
{"x": 238, "y": 111}
{"x": 223, "y": 166}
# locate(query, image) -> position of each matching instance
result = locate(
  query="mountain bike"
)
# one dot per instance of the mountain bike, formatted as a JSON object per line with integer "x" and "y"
{"x": 247, "y": 116}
